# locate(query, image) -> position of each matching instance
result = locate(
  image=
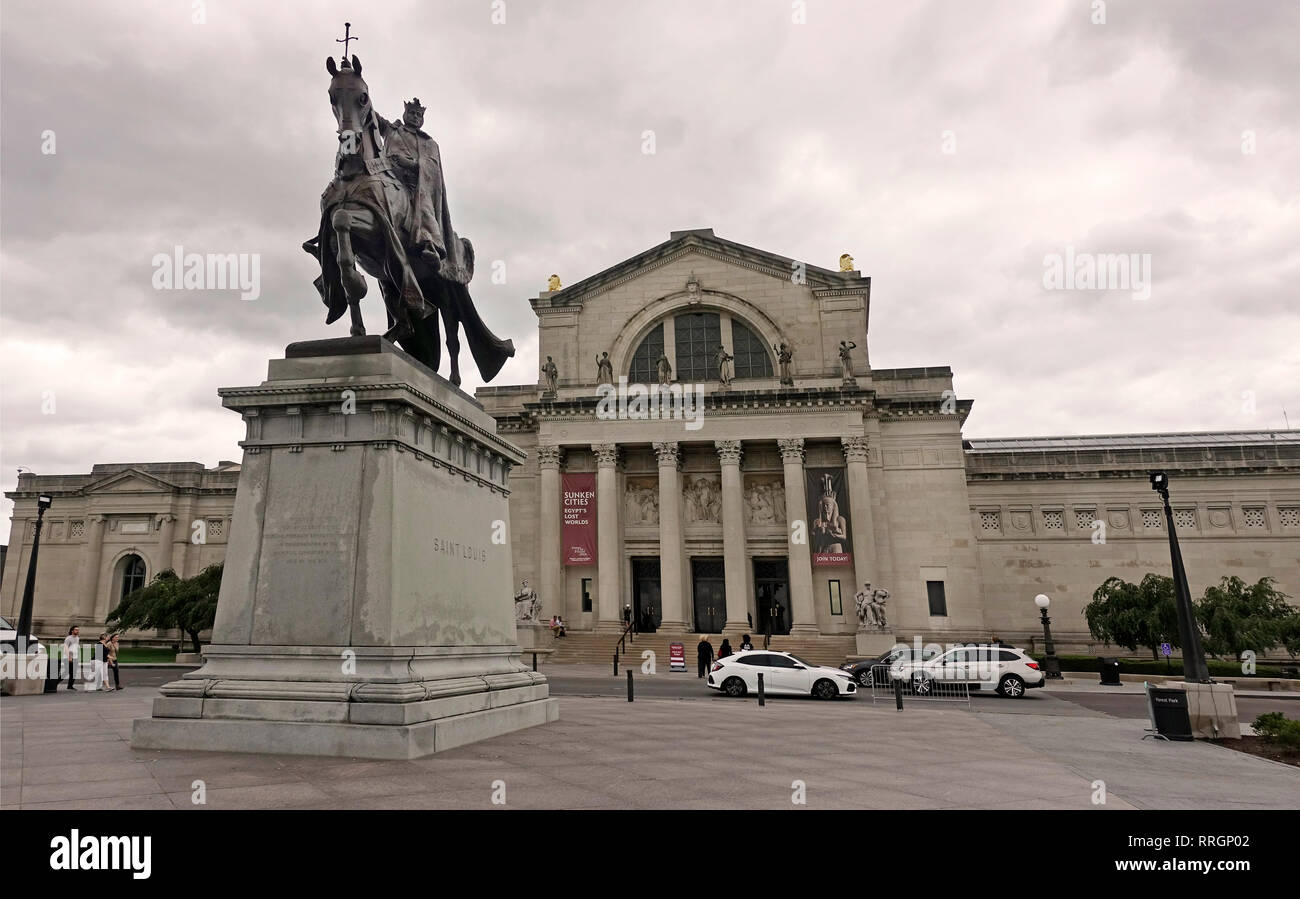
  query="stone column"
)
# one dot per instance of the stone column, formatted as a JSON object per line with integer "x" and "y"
{"x": 802, "y": 611}
{"x": 548, "y": 555}
{"x": 670, "y": 538}
{"x": 609, "y": 557}
{"x": 166, "y": 535}
{"x": 733, "y": 535}
{"x": 864, "y": 530}
{"x": 94, "y": 561}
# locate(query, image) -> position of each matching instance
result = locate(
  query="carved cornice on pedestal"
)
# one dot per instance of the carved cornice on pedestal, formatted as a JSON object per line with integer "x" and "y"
{"x": 855, "y": 449}
{"x": 549, "y": 456}
{"x": 606, "y": 454}
{"x": 791, "y": 449}
{"x": 669, "y": 454}
{"x": 729, "y": 451}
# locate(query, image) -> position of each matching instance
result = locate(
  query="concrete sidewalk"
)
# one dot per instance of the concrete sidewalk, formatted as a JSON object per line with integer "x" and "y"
{"x": 71, "y": 750}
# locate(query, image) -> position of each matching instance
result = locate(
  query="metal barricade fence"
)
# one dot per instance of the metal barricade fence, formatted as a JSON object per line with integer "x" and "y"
{"x": 920, "y": 685}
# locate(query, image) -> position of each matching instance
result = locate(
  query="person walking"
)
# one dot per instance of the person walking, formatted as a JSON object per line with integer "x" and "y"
{"x": 725, "y": 649}
{"x": 704, "y": 654}
{"x": 71, "y": 650}
{"x": 112, "y": 661}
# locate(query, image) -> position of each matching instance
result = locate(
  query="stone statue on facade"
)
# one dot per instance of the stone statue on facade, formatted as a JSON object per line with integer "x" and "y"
{"x": 846, "y": 360}
{"x": 879, "y": 596}
{"x": 665, "y": 369}
{"x": 553, "y": 284}
{"x": 846, "y": 263}
{"x": 550, "y": 376}
{"x": 870, "y": 606}
{"x": 784, "y": 356}
{"x": 386, "y": 213}
{"x": 527, "y": 603}
{"x": 722, "y": 360}
{"x": 604, "y": 369}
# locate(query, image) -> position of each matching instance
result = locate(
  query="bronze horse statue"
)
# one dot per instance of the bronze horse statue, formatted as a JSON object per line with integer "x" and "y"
{"x": 396, "y": 229}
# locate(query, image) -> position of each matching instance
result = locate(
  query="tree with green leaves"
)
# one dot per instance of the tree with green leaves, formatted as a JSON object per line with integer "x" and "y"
{"x": 1133, "y": 615}
{"x": 169, "y": 600}
{"x": 1237, "y": 617}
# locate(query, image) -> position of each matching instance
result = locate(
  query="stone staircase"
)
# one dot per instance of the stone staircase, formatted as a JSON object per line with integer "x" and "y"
{"x": 598, "y": 648}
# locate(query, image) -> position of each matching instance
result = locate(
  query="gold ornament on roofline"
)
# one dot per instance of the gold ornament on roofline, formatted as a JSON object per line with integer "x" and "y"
{"x": 846, "y": 263}
{"x": 553, "y": 284}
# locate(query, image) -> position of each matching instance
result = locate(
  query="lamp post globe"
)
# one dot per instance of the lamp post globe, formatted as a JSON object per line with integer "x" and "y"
{"x": 1051, "y": 664}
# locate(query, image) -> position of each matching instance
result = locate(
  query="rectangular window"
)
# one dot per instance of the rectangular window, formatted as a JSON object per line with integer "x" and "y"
{"x": 938, "y": 601}
{"x": 586, "y": 594}
{"x": 837, "y": 607}
{"x": 698, "y": 336}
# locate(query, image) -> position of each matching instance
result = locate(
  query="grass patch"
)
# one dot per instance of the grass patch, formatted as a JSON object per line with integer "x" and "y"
{"x": 144, "y": 654}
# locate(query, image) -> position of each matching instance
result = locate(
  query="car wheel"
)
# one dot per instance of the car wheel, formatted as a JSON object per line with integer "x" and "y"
{"x": 922, "y": 684}
{"x": 864, "y": 677}
{"x": 824, "y": 689}
{"x": 1012, "y": 687}
{"x": 734, "y": 686}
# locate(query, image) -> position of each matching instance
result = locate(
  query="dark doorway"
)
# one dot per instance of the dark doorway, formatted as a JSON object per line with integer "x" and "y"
{"x": 772, "y": 595}
{"x": 708, "y": 580}
{"x": 647, "y": 610}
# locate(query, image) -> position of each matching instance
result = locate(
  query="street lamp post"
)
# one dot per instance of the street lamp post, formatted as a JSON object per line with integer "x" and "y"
{"x": 24, "y": 630}
{"x": 1051, "y": 664}
{"x": 1194, "y": 668}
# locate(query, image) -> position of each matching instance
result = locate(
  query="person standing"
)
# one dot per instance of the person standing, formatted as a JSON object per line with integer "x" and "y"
{"x": 112, "y": 661}
{"x": 745, "y": 643}
{"x": 704, "y": 655}
{"x": 71, "y": 650}
{"x": 725, "y": 649}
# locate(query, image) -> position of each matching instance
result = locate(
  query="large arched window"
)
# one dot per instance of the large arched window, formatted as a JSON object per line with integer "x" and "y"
{"x": 132, "y": 575}
{"x": 699, "y": 334}
{"x": 692, "y": 347}
{"x": 645, "y": 361}
{"x": 752, "y": 360}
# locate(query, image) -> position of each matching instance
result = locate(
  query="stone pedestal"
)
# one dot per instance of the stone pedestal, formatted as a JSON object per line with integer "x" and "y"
{"x": 366, "y": 607}
{"x": 873, "y": 640}
{"x": 23, "y": 675}
{"x": 534, "y": 635}
{"x": 1211, "y": 710}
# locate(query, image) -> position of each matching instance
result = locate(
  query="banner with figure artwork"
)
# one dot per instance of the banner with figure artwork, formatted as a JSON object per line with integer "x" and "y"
{"x": 828, "y": 516}
{"x": 578, "y": 518}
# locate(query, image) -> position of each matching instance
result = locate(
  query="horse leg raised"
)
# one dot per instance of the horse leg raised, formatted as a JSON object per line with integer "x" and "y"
{"x": 354, "y": 283}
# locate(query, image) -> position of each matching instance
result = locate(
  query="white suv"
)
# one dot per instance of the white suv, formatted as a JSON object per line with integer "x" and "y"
{"x": 1007, "y": 670}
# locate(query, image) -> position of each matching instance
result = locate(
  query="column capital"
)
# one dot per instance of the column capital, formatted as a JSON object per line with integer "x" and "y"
{"x": 606, "y": 454}
{"x": 791, "y": 449}
{"x": 729, "y": 451}
{"x": 668, "y": 453}
{"x": 549, "y": 456}
{"x": 855, "y": 449}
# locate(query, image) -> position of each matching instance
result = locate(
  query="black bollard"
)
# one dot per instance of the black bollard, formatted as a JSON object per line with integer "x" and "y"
{"x": 616, "y": 663}
{"x": 898, "y": 693}
{"x": 761, "y": 696}
{"x": 629, "y": 685}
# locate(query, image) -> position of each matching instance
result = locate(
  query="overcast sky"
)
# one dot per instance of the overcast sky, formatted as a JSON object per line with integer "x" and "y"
{"x": 809, "y": 140}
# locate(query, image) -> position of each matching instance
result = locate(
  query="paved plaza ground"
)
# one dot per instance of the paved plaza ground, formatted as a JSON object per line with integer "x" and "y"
{"x": 72, "y": 750}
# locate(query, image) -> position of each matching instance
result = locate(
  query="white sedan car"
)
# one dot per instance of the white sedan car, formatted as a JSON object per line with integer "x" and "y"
{"x": 782, "y": 672}
{"x": 1004, "y": 669}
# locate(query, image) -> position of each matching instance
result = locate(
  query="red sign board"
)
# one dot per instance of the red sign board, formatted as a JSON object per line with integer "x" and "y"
{"x": 578, "y": 518}
{"x": 676, "y": 657}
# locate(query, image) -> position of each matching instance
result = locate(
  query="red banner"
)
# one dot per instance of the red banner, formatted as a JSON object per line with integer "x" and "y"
{"x": 578, "y": 518}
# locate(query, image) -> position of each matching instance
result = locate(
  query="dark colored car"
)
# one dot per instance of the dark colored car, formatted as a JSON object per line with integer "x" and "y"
{"x": 861, "y": 671}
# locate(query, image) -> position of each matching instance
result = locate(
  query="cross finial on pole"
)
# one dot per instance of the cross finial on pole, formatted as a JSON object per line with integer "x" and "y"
{"x": 347, "y": 36}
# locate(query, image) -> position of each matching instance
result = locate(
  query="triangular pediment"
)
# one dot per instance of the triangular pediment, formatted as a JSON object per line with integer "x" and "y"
{"x": 130, "y": 481}
{"x": 703, "y": 242}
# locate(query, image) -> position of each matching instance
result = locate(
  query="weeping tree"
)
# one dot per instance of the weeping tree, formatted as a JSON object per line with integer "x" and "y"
{"x": 170, "y": 601}
{"x": 1237, "y": 617}
{"x": 1133, "y": 615}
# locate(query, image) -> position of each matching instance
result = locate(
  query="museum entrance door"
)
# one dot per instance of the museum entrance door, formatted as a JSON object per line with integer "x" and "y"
{"x": 709, "y": 586}
{"x": 647, "y": 611}
{"x": 772, "y": 595}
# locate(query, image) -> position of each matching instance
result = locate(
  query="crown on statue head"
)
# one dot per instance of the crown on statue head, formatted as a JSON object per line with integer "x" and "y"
{"x": 413, "y": 105}
{"x": 828, "y": 488}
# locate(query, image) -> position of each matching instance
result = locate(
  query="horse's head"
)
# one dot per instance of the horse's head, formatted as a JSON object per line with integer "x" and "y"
{"x": 350, "y": 99}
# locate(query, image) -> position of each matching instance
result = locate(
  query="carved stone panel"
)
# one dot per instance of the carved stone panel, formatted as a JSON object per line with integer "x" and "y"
{"x": 765, "y": 501}
{"x": 641, "y": 502}
{"x": 703, "y": 496}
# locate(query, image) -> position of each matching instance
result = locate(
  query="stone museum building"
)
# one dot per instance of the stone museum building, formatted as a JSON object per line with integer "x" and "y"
{"x": 709, "y": 450}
